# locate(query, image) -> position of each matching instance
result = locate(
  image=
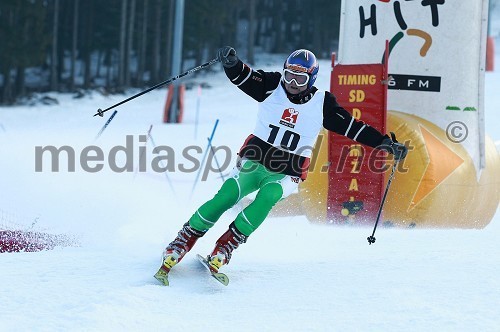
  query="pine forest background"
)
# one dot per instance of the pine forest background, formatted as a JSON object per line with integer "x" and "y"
{"x": 77, "y": 45}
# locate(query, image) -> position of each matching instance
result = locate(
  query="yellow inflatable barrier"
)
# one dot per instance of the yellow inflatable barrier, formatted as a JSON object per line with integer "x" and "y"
{"x": 436, "y": 186}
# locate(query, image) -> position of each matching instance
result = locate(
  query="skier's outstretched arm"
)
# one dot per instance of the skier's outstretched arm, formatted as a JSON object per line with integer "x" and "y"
{"x": 258, "y": 84}
{"x": 338, "y": 120}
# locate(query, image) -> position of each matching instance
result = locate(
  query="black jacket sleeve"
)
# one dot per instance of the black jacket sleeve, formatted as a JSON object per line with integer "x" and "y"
{"x": 338, "y": 120}
{"x": 257, "y": 84}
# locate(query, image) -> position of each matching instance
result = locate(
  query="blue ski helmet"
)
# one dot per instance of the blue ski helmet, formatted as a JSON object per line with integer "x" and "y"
{"x": 303, "y": 61}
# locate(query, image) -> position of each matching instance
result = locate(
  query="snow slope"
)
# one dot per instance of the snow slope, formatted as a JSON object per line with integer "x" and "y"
{"x": 290, "y": 276}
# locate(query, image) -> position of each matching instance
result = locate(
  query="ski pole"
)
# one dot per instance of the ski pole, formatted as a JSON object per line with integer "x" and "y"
{"x": 371, "y": 239}
{"x": 106, "y": 124}
{"x": 100, "y": 112}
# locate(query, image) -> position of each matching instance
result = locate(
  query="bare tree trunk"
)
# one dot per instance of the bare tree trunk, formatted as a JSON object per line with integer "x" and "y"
{"x": 251, "y": 31}
{"x": 109, "y": 66}
{"x": 130, "y": 39}
{"x": 7, "y": 87}
{"x": 277, "y": 26}
{"x": 143, "y": 43}
{"x": 231, "y": 37}
{"x": 20, "y": 81}
{"x": 123, "y": 33}
{"x": 316, "y": 32}
{"x": 74, "y": 45}
{"x": 87, "y": 58}
{"x": 100, "y": 56}
{"x": 157, "y": 42}
{"x": 53, "y": 61}
{"x": 169, "y": 42}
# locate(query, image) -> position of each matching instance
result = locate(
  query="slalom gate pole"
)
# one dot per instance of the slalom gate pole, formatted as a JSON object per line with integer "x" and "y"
{"x": 141, "y": 155}
{"x": 204, "y": 156}
{"x": 216, "y": 161}
{"x": 371, "y": 239}
{"x": 106, "y": 124}
{"x": 166, "y": 174}
{"x": 100, "y": 112}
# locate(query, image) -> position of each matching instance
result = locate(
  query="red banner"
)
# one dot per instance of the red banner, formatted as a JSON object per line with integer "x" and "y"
{"x": 356, "y": 182}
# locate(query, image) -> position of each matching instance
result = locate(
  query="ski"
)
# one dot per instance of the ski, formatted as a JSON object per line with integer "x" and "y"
{"x": 162, "y": 276}
{"x": 220, "y": 277}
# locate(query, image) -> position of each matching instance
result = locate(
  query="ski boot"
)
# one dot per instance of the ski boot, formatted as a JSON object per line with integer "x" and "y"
{"x": 224, "y": 247}
{"x": 176, "y": 250}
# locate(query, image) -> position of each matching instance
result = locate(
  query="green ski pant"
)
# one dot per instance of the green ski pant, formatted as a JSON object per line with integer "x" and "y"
{"x": 252, "y": 176}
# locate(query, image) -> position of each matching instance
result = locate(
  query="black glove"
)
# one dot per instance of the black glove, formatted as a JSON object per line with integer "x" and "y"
{"x": 393, "y": 146}
{"x": 227, "y": 56}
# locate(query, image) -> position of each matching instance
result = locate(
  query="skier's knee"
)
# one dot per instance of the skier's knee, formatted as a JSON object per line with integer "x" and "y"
{"x": 229, "y": 192}
{"x": 270, "y": 193}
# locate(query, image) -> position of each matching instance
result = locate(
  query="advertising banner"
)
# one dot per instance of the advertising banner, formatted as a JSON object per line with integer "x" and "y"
{"x": 437, "y": 60}
{"x": 356, "y": 172}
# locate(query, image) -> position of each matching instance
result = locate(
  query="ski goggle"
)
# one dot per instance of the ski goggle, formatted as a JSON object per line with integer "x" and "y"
{"x": 300, "y": 79}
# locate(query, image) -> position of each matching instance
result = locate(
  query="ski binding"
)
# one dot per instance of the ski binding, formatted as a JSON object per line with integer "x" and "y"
{"x": 220, "y": 277}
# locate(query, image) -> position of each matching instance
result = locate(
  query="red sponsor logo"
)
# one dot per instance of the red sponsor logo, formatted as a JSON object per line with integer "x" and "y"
{"x": 289, "y": 117}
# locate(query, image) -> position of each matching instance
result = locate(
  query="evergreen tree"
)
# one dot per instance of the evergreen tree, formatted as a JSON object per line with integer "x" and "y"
{"x": 119, "y": 43}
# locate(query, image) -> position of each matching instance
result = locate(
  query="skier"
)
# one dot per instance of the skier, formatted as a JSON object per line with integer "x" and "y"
{"x": 275, "y": 157}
